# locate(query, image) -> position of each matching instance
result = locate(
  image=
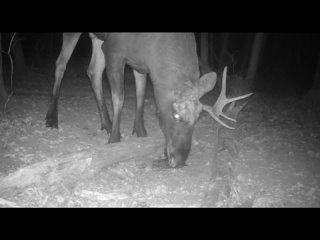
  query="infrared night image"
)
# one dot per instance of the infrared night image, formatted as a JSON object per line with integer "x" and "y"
{"x": 160, "y": 119}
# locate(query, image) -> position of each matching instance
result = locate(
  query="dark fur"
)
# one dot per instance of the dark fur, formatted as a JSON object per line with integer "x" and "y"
{"x": 171, "y": 61}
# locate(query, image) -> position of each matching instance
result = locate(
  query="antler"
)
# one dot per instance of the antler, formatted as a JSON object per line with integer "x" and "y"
{"x": 222, "y": 101}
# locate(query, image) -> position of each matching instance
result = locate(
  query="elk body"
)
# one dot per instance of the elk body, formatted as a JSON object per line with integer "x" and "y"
{"x": 171, "y": 61}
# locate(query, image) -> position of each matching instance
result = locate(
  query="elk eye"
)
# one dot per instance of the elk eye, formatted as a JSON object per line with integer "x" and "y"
{"x": 177, "y": 117}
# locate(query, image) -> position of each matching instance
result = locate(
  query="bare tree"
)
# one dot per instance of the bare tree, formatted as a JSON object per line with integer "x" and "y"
{"x": 204, "y": 47}
{"x": 224, "y": 49}
{"x": 255, "y": 57}
{"x": 246, "y": 51}
{"x": 3, "y": 92}
{"x": 18, "y": 56}
{"x": 314, "y": 92}
{"x": 316, "y": 76}
{"x": 51, "y": 43}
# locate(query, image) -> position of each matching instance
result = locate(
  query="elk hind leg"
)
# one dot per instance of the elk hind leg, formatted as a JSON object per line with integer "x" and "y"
{"x": 115, "y": 74}
{"x": 138, "y": 126}
{"x": 95, "y": 71}
{"x": 69, "y": 42}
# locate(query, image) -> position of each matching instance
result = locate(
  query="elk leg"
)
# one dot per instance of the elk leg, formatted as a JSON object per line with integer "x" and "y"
{"x": 115, "y": 73}
{"x": 69, "y": 42}
{"x": 95, "y": 70}
{"x": 138, "y": 126}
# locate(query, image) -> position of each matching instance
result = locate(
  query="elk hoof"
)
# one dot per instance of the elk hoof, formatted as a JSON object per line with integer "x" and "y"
{"x": 139, "y": 130}
{"x": 161, "y": 164}
{"x": 113, "y": 139}
{"x": 139, "y": 134}
{"x": 164, "y": 164}
{"x": 50, "y": 123}
{"x": 105, "y": 128}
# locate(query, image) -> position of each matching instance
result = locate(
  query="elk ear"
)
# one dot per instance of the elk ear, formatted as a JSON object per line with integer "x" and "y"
{"x": 207, "y": 83}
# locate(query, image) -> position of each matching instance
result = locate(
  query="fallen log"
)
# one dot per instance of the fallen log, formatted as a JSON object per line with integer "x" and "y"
{"x": 137, "y": 149}
{"x": 74, "y": 166}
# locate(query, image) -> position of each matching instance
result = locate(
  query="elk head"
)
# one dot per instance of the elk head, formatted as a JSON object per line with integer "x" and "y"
{"x": 179, "y": 124}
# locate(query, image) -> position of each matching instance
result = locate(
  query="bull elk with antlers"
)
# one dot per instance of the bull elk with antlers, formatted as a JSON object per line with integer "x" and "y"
{"x": 171, "y": 61}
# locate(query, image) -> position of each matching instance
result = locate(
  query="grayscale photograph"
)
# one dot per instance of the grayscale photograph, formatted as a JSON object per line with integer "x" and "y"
{"x": 159, "y": 120}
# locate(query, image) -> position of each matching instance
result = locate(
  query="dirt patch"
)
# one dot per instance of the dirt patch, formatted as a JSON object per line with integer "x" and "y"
{"x": 277, "y": 166}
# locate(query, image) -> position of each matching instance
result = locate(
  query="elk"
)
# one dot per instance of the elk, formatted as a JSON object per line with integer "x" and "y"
{"x": 171, "y": 61}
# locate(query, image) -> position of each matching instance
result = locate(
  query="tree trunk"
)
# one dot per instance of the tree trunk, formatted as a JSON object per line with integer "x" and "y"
{"x": 204, "y": 40}
{"x": 224, "y": 48}
{"x": 3, "y": 92}
{"x": 314, "y": 92}
{"x": 246, "y": 52}
{"x": 211, "y": 49}
{"x": 51, "y": 46}
{"x": 18, "y": 56}
{"x": 255, "y": 57}
{"x": 316, "y": 76}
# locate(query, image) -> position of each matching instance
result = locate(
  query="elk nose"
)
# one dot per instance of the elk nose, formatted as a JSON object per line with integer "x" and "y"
{"x": 175, "y": 159}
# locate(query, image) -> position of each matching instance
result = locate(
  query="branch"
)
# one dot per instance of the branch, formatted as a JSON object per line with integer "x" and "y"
{"x": 11, "y": 73}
